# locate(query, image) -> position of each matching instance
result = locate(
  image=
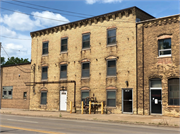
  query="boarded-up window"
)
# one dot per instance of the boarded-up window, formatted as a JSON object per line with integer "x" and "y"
{"x": 174, "y": 91}
{"x": 85, "y": 69}
{"x": 63, "y": 72}
{"x": 44, "y": 73}
{"x": 111, "y": 68}
{"x": 7, "y": 92}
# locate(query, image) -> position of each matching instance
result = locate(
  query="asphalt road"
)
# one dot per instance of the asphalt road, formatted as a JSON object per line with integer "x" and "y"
{"x": 13, "y": 124}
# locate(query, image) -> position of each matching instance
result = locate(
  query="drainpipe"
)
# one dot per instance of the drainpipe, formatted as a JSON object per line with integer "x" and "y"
{"x": 136, "y": 73}
{"x": 143, "y": 62}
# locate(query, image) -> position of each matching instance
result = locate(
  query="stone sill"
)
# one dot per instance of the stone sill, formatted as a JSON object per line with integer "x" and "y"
{"x": 110, "y": 107}
{"x": 110, "y": 45}
{"x": 44, "y": 55}
{"x": 84, "y": 49}
{"x": 111, "y": 76}
{"x": 173, "y": 106}
{"x": 168, "y": 56}
{"x": 84, "y": 78}
{"x": 44, "y": 80}
{"x": 64, "y": 52}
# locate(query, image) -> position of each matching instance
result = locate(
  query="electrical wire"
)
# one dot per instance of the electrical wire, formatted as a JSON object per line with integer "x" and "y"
{"x": 16, "y": 63}
{"x": 13, "y": 38}
{"x": 42, "y": 9}
{"x": 52, "y": 8}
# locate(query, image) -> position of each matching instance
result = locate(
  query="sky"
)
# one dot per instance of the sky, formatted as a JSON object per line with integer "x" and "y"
{"x": 20, "y": 17}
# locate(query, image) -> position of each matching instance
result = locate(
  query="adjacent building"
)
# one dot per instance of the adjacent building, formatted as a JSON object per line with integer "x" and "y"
{"x": 15, "y": 94}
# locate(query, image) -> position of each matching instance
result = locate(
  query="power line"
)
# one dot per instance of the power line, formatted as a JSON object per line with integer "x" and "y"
{"x": 14, "y": 38}
{"x": 41, "y": 9}
{"x": 15, "y": 62}
{"x": 52, "y": 8}
{"x": 32, "y": 15}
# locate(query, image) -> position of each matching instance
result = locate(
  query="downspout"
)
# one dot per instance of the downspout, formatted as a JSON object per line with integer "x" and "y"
{"x": 143, "y": 62}
{"x": 136, "y": 73}
{"x": 75, "y": 95}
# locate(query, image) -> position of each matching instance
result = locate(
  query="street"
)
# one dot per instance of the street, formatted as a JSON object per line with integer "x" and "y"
{"x": 13, "y": 124}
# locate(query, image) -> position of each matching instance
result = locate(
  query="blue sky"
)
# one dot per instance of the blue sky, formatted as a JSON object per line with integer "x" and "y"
{"x": 16, "y": 25}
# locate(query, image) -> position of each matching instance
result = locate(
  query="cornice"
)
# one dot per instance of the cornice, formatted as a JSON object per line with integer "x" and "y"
{"x": 89, "y": 21}
{"x": 160, "y": 21}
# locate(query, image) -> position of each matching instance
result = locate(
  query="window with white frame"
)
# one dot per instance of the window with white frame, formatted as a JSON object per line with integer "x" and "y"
{"x": 111, "y": 98}
{"x": 164, "y": 47}
{"x": 7, "y": 92}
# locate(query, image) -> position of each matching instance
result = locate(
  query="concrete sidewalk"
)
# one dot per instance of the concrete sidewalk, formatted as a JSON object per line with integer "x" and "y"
{"x": 157, "y": 120}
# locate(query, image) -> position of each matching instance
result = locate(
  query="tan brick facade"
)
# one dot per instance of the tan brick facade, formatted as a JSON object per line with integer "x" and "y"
{"x": 124, "y": 51}
{"x": 154, "y": 66}
{"x": 15, "y": 76}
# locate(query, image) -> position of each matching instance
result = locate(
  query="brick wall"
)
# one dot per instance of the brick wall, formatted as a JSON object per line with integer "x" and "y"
{"x": 10, "y": 77}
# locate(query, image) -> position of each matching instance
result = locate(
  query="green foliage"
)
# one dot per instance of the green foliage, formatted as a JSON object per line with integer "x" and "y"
{"x": 13, "y": 61}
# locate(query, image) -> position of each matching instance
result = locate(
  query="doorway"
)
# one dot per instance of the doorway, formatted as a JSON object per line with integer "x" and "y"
{"x": 127, "y": 103}
{"x": 63, "y": 100}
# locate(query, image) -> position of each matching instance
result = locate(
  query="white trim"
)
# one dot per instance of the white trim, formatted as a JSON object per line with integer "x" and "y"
{"x": 155, "y": 88}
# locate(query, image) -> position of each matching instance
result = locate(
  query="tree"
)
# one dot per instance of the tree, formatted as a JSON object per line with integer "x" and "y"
{"x": 2, "y": 60}
{"x": 13, "y": 61}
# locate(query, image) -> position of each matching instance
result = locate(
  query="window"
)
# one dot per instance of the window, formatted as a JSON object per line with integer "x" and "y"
{"x": 7, "y": 92}
{"x": 25, "y": 95}
{"x": 44, "y": 97}
{"x": 84, "y": 94}
{"x": 86, "y": 41}
{"x": 63, "y": 72}
{"x": 45, "y": 48}
{"x": 155, "y": 83}
{"x": 173, "y": 87}
{"x": 44, "y": 73}
{"x": 64, "y": 44}
{"x": 111, "y": 98}
{"x": 111, "y": 36}
{"x": 111, "y": 68}
{"x": 164, "y": 47}
{"x": 85, "y": 69}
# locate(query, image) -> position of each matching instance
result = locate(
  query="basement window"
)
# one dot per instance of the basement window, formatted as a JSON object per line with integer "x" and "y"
{"x": 64, "y": 42}
{"x": 111, "y": 98}
{"x": 25, "y": 95}
{"x": 84, "y": 95}
{"x": 164, "y": 47}
{"x": 7, "y": 92}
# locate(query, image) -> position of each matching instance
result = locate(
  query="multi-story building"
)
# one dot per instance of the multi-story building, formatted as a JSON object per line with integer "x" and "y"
{"x": 158, "y": 66}
{"x": 99, "y": 53}
{"x": 132, "y": 66}
{"x": 15, "y": 93}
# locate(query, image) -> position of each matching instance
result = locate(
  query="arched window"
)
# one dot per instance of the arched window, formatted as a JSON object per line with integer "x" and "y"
{"x": 173, "y": 87}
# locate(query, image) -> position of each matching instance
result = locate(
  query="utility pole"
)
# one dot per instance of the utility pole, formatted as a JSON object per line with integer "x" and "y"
{"x": 0, "y": 78}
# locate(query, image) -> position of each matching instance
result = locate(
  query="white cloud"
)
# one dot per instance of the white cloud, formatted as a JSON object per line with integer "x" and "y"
{"x": 102, "y": 1}
{"x": 24, "y": 22}
{"x": 48, "y": 22}
{"x": 7, "y": 32}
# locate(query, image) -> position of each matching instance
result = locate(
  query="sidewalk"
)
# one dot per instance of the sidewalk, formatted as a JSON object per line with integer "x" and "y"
{"x": 157, "y": 120}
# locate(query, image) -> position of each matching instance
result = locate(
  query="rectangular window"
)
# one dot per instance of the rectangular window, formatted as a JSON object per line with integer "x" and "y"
{"x": 7, "y": 92}
{"x": 45, "y": 48}
{"x": 64, "y": 42}
{"x": 63, "y": 72}
{"x": 25, "y": 95}
{"x": 85, "y": 69}
{"x": 111, "y": 36}
{"x": 164, "y": 47}
{"x": 44, "y": 73}
{"x": 174, "y": 92}
{"x": 111, "y": 98}
{"x": 44, "y": 98}
{"x": 84, "y": 95}
{"x": 111, "y": 68}
{"x": 86, "y": 41}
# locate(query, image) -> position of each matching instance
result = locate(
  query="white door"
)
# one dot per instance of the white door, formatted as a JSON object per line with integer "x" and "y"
{"x": 63, "y": 100}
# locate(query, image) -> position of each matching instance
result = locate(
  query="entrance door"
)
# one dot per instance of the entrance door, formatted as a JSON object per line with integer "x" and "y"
{"x": 127, "y": 100}
{"x": 63, "y": 100}
{"x": 156, "y": 101}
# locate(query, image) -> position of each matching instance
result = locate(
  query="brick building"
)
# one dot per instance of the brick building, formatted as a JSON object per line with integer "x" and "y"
{"x": 158, "y": 66}
{"x": 15, "y": 94}
{"x": 111, "y": 56}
